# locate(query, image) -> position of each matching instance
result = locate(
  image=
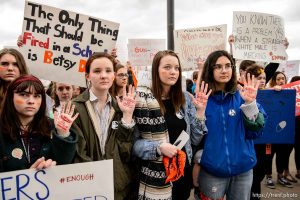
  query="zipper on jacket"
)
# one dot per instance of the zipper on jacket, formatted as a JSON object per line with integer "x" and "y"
{"x": 225, "y": 136}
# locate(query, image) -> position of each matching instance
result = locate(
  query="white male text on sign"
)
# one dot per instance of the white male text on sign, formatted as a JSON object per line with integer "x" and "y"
{"x": 259, "y": 37}
{"x": 197, "y": 43}
{"x": 58, "y": 42}
{"x": 142, "y": 51}
{"x": 91, "y": 180}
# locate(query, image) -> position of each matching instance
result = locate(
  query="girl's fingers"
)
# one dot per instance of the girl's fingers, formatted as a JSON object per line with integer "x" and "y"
{"x": 209, "y": 92}
{"x": 72, "y": 110}
{"x": 48, "y": 163}
{"x": 202, "y": 86}
{"x": 37, "y": 162}
{"x": 206, "y": 88}
{"x": 75, "y": 116}
{"x": 68, "y": 107}
{"x": 63, "y": 107}
{"x": 53, "y": 163}
{"x": 249, "y": 80}
{"x": 55, "y": 114}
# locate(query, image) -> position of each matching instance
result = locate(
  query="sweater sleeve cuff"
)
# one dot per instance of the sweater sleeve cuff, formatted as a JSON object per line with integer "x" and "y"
{"x": 250, "y": 110}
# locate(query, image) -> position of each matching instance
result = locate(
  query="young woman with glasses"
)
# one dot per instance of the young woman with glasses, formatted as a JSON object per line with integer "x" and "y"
{"x": 233, "y": 120}
{"x": 120, "y": 80}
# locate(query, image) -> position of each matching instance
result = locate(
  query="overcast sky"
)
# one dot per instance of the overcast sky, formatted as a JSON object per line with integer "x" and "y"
{"x": 147, "y": 18}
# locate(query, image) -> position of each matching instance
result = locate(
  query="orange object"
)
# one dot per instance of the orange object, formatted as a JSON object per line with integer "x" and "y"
{"x": 268, "y": 149}
{"x": 175, "y": 169}
{"x": 135, "y": 81}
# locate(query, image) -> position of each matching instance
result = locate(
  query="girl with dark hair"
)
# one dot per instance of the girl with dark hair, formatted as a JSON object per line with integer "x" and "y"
{"x": 120, "y": 81}
{"x": 106, "y": 124}
{"x": 12, "y": 65}
{"x": 30, "y": 139}
{"x": 61, "y": 93}
{"x": 234, "y": 119}
{"x": 162, "y": 113}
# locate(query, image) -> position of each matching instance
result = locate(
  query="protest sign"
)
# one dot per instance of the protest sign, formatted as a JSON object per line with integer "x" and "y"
{"x": 259, "y": 37}
{"x": 295, "y": 86}
{"x": 90, "y": 180}
{"x": 197, "y": 43}
{"x": 57, "y": 42}
{"x": 280, "y": 122}
{"x": 290, "y": 68}
{"x": 144, "y": 78}
{"x": 142, "y": 51}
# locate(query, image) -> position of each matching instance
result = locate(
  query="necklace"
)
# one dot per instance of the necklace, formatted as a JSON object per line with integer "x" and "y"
{"x": 27, "y": 152}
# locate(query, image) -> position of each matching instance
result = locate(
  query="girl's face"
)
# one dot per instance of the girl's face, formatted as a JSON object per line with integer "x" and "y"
{"x": 222, "y": 71}
{"x": 261, "y": 80}
{"x": 101, "y": 74}
{"x": 27, "y": 103}
{"x": 64, "y": 92}
{"x": 168, "y": 70}
{"x": 121, "y": 77}
{"x": 280, "y": 79}
{"x": 9, "y": 69}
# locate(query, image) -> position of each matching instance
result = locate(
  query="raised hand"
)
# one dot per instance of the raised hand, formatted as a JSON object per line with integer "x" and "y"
{"x": 200, "y": 101}
{"x": 127, "y": 103}
{"x": 64, "y": 120}
{"x": 248, "y": 92}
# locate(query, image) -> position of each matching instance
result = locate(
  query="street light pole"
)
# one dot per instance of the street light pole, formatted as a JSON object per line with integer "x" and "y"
{"x": 170, "y": 23}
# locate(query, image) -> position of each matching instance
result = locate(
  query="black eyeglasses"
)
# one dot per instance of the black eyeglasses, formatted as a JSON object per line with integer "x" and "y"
{"x": 122, "y": 75}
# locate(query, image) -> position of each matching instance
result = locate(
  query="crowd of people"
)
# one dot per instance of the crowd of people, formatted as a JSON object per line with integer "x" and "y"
{"x": 138, "y": 127}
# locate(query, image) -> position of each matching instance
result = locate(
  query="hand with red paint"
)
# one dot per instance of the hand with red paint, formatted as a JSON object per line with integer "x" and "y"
{"x": 127, "y": 103}
{"x": 200, "y": 101}
{"x": 64, "y": 120}
{"x": 248, "y": 92}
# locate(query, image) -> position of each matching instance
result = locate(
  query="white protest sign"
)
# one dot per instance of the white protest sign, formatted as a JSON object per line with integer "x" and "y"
{"x": 142, "y": 51}
{"x": 144, "y": 78}
{"x": 90, "y": 180}
{"x": 290, "y": 68}
{"x": 58, "y": 42}
{"x": 259, "y": 37}
{"x": 198, "y": 43}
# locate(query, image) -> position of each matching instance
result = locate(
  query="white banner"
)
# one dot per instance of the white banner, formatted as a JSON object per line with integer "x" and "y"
{"x": 142, "y": 51}
{"x": 259, "y": 37}
{"x": 198, "y": 43}
{"x": 57, "y": 42}
{"x": 90, "y": 180}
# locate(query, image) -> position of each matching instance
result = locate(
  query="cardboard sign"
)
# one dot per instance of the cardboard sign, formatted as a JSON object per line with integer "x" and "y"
{"x": 144, "y": 78}
{"x": 91, "y": 180}
{"x": 259, "y": 37}
{"x": 197, "y": 43}
{"x": 142, "y": 51}
{"x": 290, "y": 68}
{"x": 295, "y": 86}
{"x": 280, "y": 122}
{"x": 57, "y": 42}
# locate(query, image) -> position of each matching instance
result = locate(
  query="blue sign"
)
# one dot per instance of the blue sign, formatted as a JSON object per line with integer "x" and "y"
{"x": 280, "y": 123}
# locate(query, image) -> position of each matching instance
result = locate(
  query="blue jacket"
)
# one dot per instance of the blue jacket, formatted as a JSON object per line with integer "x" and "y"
{"x": 228, "y": 148}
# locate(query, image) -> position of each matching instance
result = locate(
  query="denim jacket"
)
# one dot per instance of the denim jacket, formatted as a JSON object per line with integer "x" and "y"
{"x": 146, "y": 149}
